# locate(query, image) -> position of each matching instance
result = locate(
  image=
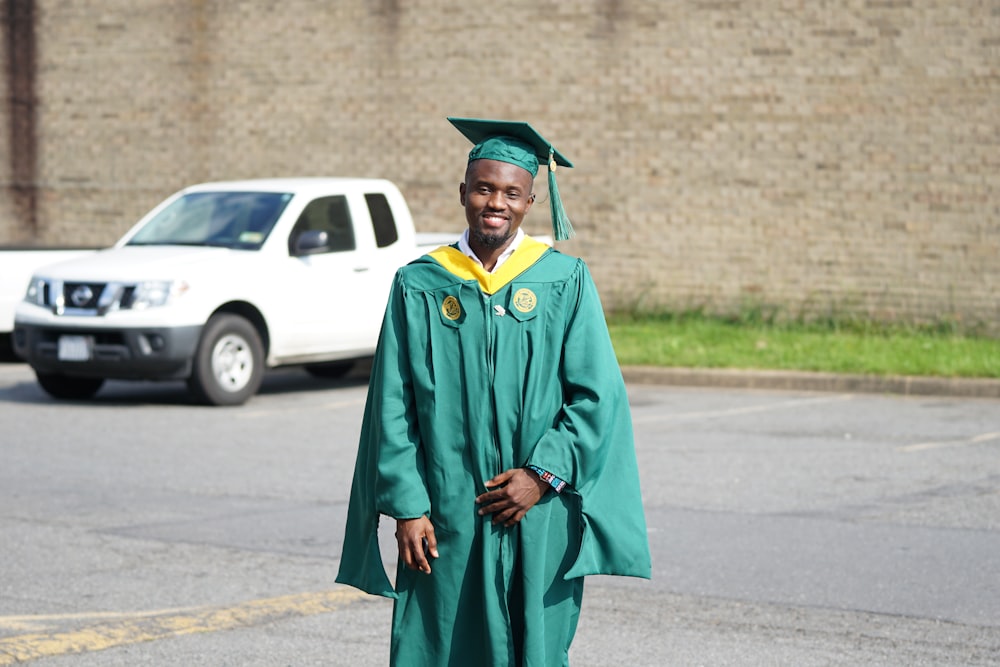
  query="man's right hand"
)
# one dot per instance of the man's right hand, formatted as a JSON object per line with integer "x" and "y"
{"x": 416, "y": 541}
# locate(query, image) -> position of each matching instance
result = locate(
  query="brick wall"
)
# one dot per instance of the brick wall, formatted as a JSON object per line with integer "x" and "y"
{"x": 820, "y": 156}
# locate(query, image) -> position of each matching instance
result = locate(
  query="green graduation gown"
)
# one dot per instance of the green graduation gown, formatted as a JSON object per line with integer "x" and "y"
{"x": 475, "y": 374}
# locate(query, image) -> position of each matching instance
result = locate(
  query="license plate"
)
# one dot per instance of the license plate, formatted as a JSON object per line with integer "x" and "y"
{"x": 75, "y": 348}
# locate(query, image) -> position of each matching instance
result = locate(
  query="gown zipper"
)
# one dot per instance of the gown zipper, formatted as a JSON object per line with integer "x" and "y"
{"x": 490, "y": 334}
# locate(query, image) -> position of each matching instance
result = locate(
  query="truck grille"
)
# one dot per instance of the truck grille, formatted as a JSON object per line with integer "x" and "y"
{"x": 82, "y": 295}
{"x": 84, "y": 298}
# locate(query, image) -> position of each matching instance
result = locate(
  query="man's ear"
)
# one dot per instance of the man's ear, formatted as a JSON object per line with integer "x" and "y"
{"x": 461, "y": 193}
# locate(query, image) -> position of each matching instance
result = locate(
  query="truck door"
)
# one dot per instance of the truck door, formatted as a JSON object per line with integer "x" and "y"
{"x": 334, "y": 292}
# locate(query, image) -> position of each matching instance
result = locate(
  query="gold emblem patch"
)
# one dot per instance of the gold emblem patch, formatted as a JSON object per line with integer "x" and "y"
{"x": 525, "y": 300}
{"x": 451, "y": 308}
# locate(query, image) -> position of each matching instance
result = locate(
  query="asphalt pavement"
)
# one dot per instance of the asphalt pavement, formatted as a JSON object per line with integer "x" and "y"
{"x": 789, "y": 526}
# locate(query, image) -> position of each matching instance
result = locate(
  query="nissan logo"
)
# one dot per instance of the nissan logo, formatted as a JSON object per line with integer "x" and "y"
{"x": 81, "y": 296}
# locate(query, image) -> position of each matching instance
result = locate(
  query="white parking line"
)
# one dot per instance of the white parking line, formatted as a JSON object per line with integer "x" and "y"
{"x": 252, "y": 412}
{"x": 974, "y": 440}
{"x": 750, "y": 409}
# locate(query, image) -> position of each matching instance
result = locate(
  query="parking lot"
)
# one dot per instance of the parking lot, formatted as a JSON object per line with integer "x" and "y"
{"x": 787, "y": 528}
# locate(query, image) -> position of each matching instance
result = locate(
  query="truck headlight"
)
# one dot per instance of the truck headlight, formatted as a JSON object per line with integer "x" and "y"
{"x": 37, "y": 292}
{"x": 153, "y": 293}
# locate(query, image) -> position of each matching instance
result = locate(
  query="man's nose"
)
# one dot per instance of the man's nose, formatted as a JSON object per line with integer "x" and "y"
{"x": 497, "y": 200}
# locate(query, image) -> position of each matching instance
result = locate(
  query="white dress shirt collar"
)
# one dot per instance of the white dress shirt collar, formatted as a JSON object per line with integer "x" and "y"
{"x": 463, "y": 245}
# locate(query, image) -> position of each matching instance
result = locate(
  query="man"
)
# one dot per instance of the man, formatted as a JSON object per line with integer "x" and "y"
{"x": 497, "y": 433}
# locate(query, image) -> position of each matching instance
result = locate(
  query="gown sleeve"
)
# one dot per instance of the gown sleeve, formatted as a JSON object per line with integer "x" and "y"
{"x": 389, "y": 472}
{"x": 591, "y": 446}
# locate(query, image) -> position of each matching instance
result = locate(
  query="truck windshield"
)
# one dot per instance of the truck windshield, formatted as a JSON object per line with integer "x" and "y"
{"x": 238, "y": 220}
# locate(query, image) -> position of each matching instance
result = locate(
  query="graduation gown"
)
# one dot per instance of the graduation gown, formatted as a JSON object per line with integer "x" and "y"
{"x": 475, "y": 374}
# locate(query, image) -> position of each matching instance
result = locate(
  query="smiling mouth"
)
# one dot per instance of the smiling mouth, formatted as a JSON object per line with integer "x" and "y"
{"x": 494, "y": 219}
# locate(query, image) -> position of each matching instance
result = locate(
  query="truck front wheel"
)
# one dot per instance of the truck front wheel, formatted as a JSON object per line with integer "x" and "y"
{"x": 229, "y": 362}
{"x": 67, "y": 386}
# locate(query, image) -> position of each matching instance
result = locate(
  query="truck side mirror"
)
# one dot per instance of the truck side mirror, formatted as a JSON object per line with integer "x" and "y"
{"x": 311, "y": 242}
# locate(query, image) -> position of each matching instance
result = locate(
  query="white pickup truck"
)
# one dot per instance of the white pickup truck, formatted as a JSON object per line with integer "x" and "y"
{"x": 221, "y": 281}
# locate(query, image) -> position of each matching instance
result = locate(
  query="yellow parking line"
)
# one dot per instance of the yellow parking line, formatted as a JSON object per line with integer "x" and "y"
{"x": 39, "y": 622}
{"x": 151, "y": 626}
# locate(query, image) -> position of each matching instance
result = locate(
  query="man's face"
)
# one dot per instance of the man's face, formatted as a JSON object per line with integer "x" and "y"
{"x": 496, "y": 196}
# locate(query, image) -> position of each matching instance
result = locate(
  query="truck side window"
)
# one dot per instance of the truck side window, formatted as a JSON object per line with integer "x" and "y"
{"x": 382, "y": 220}
{"x": 331, "y": 215}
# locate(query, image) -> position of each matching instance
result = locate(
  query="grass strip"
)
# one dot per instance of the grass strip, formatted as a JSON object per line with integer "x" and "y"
{"x": 702, "y": 341}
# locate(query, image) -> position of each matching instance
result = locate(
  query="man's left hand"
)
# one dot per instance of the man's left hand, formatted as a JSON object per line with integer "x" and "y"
{"x": 519, "y": 490}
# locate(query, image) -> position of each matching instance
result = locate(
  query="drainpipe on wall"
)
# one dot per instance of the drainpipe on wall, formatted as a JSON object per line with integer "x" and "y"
{"x": 22, "y": 110}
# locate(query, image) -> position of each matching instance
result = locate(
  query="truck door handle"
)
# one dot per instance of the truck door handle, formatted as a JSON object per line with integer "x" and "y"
{"x": 360, "y": 269}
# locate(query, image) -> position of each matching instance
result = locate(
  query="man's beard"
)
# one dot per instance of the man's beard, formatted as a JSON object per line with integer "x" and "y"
{"x": 492, "y": 240}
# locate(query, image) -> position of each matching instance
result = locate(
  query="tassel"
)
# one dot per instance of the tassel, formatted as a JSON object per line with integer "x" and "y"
{"x": 562, "y": 229}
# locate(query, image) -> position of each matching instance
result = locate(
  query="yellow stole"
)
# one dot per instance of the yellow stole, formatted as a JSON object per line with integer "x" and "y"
{"x": 463, "y": 266}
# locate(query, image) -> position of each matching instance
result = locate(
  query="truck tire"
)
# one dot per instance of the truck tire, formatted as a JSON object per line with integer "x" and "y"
{"x": 7, "y": 352}
{"x": 69, "y": 387}
{"x": 229, "y": 362}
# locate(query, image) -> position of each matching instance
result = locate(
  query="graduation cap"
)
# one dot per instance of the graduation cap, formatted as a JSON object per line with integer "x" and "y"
{"x": 520, "y": 144}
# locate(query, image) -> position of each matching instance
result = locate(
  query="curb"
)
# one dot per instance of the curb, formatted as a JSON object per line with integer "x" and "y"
{"x": 805, "y": 381}
{"x": 725, "y": 378}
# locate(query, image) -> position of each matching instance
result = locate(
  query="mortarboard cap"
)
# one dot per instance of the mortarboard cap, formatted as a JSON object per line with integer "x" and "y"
{"x": 520, "y": 144}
